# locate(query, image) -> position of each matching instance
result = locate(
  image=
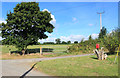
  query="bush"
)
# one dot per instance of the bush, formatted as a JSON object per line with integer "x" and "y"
{"x": 86, "y": 46}
{"x": 111, "y": 41}
{"x": 75, "y": 42}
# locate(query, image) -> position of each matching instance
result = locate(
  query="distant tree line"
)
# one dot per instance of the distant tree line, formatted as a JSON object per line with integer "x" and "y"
{"x": 58, "y": 41}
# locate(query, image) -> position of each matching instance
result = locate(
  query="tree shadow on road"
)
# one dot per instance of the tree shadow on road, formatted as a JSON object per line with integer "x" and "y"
{"x": 28, "y": 71}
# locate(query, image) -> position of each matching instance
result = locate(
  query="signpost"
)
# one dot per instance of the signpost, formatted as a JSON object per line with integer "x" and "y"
{"x": 117, "y": 53}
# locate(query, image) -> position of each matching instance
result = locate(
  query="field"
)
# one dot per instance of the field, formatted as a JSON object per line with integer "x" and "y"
{"x": 55, "y": 48}
{"x": 79, "y": 66}
{"x": 48, "y": 51}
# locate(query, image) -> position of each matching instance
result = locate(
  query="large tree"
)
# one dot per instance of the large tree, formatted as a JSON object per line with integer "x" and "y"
{"x": 26, "y": 25}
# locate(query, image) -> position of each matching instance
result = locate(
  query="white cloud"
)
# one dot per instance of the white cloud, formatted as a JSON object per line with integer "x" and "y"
{"x": 1, "y": 38}
{"x": 47, "y": 40}
{"x": 74, "y": 19}
{"x": 50, "y": 34}
{"x": 111, "y": 31}
{"x": 1, "y": 21}
{"x": 53, "y": 21}
{"x": 90, "y": 24}
{"x": 71, "y": 38}
{"x": 45, "y": 10}
{"x": 94, "y": 36}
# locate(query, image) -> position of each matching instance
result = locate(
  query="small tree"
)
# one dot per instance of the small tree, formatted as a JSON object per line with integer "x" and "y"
{"x": 102, "y": 33}
{"x": 111, "y": 41}
{"x": 90, "y": 37}
{"x": 75, "y": 42}
{"x": 58, "y": 41}
{"x": 82, "y": 40}
{"x": 63, "y": 42}
{"x": 68, "y": 42}
{"x": 26, "y": 25}
{"x": 48, "y": 43}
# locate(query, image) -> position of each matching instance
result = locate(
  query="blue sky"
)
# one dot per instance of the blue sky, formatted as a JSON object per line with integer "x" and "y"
{"x": 75, "y": 20}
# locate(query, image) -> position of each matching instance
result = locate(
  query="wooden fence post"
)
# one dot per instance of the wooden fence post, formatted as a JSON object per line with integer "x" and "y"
{"x": 40, "y": 50}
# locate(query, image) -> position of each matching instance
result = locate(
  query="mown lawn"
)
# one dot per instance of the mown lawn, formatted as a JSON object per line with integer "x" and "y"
{"x": 79, "y": 66}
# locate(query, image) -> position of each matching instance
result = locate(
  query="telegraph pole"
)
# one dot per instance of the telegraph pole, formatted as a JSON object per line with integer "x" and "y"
{"x": 100, "y": 19}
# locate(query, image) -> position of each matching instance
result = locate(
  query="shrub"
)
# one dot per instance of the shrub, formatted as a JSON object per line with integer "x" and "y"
{"x": 111, "y": 41}
{"x": 86, "y": 46}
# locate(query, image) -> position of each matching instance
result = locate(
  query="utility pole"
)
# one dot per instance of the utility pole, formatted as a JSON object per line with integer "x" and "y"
{"x": 101, "y": 19}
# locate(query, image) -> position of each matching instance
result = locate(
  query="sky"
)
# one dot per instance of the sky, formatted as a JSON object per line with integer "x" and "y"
{"x": 74, "y": 20}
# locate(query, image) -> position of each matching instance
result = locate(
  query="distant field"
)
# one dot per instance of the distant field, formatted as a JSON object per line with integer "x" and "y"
{"x": 48, "y": 51}
{"x": 79, "y": 66}
{"x": 55, "y": 48}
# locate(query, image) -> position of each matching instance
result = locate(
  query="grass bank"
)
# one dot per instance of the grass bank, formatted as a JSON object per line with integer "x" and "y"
{"x": 79, "y": 66}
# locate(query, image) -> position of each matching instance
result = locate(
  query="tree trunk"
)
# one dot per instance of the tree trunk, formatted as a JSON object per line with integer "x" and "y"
{"x": 9, "y": 51}
{"x": 23, "y": 52}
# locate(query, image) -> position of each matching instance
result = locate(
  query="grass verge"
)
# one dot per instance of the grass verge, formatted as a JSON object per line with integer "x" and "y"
{"x": 79, "y": 66}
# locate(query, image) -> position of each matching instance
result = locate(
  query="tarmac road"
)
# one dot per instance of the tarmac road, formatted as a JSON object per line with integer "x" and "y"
{"x": 22, "y": 67}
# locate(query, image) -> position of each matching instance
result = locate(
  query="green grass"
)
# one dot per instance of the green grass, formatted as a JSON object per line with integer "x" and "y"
{"x": 79, "y": 66}
{"x": 5, "y": 48}
{"x": 56, "y": 48}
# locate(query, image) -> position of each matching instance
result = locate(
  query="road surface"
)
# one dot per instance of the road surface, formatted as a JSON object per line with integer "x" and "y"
{"x": 23, "y": 67}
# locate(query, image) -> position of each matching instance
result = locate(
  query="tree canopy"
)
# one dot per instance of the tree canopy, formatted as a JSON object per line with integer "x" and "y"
{"x": 75, "y": 42}
{"x": 111, "y": 41}
{"x": 58, "y": 41}
{"x": 103, "y": 32}
{"x": 26, "y": 25}
{"x": 90, "y": 37}
{"x": 68, "y": 42}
